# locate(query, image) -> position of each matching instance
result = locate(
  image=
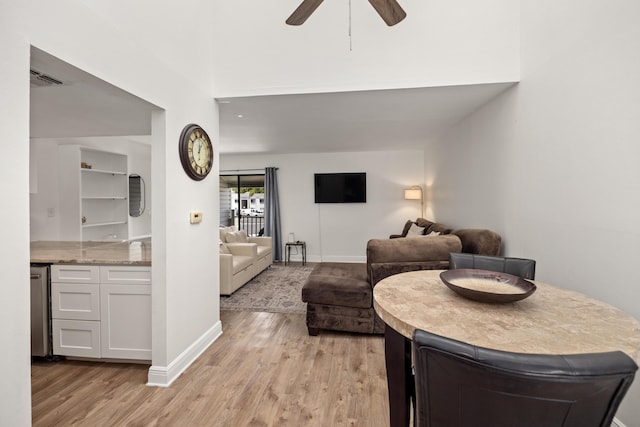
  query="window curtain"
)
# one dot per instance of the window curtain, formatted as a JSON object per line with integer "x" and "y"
{"x": 272, "y": 211}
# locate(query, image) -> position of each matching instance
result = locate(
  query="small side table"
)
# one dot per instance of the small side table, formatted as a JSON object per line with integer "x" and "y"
{"x": 287, "y": 250}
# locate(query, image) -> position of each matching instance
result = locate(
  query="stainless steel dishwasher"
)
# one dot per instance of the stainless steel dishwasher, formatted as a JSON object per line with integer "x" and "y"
{"x": 40, "y": 311}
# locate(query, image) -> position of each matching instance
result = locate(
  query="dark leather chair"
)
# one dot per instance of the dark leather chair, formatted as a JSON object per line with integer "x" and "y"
{"x": 521, "y": 267}
{"x": 461, "y": 385}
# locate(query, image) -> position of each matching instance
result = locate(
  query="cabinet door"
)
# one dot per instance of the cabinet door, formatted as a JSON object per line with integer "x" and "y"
{"x": 80, "y": 338}
{"x": 126, "y": 321}
{"x": 75, "y": 301}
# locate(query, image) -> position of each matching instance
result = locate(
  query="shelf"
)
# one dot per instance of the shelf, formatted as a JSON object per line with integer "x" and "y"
{"x": 103, "y": 224}
{"x": 98, "y": 194}
{"x": 102, "y": 171}
{"x": 104, "y": 198}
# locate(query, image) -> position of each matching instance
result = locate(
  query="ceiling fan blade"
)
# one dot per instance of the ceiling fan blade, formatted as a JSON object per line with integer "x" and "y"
{"x": 303, "y": 12}
{"x": 389, "y": 10}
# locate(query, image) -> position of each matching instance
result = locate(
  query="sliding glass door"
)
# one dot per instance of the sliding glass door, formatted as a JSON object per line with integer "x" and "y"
{"x": 242, "y": 202}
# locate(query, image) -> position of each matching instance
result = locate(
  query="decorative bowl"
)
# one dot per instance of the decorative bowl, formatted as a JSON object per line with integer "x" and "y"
{"x": 487, "y": 286}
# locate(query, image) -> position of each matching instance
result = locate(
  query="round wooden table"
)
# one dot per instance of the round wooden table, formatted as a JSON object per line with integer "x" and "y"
{"x": 551, "y": 321}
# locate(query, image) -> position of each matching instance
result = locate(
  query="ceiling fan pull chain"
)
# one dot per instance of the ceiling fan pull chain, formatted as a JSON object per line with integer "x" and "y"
{"x": 350, "y": 40}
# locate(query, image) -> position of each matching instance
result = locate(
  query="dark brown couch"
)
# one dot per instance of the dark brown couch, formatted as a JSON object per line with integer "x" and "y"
{"x": 477, "y": 241}
{"x": 339, "y": 296}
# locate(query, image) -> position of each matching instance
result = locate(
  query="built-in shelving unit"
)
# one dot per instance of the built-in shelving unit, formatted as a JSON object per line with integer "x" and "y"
{"x": 98, "y": 182}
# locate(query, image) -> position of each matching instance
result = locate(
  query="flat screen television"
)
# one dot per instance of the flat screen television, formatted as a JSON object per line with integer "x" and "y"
{"x": 341, "y": 187}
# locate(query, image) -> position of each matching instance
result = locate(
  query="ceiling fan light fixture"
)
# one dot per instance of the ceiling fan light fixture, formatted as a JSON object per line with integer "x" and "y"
{"x": 303, "y": 12}
{"x": 389, "y": 10}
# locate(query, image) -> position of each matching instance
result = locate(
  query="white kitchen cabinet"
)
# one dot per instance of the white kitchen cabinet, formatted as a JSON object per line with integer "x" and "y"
{"x": 75, "y": 301}
{"x": 106, "y": 316}
{"x": 79, "y": 338}
{"x": 75, "y": 310}
{"x": 125, "y": 307}
{"x": 75, "y": 273}
{"x": 125, "y": 323}
{"x": 94, "y": 192}
{"x": 123, "y": 275}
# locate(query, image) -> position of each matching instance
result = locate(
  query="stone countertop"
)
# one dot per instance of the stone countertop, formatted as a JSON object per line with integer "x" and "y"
{"x": 137, "y": 252}
{"x": 550, "y": 321}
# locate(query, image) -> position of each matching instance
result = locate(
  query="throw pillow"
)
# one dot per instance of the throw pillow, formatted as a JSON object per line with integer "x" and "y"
{"x": 242, "y": 236}
{"x": 406, "y": 227}
{"x": 415, "y": 231}
{"x": 237, "y": 237}
{"x": 424, "y": 222}
{"x": 440, "y": 228}
{"x": 224, "y": 231}
{"x": 231, "y": 237}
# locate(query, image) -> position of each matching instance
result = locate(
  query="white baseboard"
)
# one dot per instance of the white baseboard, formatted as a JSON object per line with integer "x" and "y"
{"x": 617, "y": 423}
{"x": 163, "y": 376}
{"x": 356, "y": 259}
{"x": 297, "y": 258}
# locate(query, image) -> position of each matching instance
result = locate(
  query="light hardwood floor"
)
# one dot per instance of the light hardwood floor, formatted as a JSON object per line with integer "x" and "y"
{"x": 263, "y": 371}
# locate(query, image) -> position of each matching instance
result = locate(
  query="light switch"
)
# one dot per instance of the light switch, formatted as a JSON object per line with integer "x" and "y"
{"x": 196, "y": 217}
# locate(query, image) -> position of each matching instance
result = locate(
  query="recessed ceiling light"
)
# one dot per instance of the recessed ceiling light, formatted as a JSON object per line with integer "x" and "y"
{"x": 239, "y": 116}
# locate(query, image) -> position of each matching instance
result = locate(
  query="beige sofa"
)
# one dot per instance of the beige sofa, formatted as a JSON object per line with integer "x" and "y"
{"x": 241, "y": 258}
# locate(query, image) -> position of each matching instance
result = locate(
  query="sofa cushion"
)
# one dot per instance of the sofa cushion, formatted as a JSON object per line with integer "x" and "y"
{"x": 241, "y": 262}
{"x": 424, "y": 250}
{"x": 237, "y": 237}
{"x": 223, "y": 232}
{"x": 224, "y": 249}
{"x": 479, "y": 241}
{"x": 382, "y": 270}
{"x": 264, "y": 251}
{"x": 338, "y": 284}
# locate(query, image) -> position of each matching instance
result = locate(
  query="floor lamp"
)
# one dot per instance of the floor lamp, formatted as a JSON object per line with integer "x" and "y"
{"x": 415, "y": 193}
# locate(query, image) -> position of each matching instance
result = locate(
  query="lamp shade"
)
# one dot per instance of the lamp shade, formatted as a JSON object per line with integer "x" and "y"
{"x": 413, "y": 194}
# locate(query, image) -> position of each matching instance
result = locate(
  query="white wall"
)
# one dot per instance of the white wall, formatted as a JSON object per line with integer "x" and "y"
{"x": 111, "y": 46}
{"x": 339, "y": 232}
{"x": 15, "y": 387}
{"x": 45, "y": 173}
{"x": 552, "y": 164}
{"x": 438, "y": 44}
{"x": 468, "y": 175}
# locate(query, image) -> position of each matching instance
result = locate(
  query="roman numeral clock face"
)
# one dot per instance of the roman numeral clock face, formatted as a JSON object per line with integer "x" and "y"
{"x": 196, "y": 152}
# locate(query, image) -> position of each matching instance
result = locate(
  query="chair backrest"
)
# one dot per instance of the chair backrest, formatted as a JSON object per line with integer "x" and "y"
{"x": 461, "y": 385}
{"x": 521, "y": 267}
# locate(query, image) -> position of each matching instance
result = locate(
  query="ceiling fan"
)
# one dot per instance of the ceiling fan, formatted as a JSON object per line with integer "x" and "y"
{"x": 389, "y": 10}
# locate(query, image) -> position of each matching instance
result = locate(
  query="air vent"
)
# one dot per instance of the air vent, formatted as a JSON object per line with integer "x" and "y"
{"x": 39, "y": 79}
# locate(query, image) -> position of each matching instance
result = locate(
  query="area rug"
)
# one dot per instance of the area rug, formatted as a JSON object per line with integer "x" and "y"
{"x": 276, "y": 290}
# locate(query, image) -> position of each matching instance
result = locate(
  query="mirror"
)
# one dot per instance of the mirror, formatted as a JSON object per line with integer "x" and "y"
{"x": 136, "y": 195}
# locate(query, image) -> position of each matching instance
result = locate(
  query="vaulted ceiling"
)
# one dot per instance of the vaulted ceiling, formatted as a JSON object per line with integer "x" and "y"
{"x": 84, "y": 105}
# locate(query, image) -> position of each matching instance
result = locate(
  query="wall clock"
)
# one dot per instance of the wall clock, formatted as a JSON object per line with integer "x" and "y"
{"x": 196, "y": 152}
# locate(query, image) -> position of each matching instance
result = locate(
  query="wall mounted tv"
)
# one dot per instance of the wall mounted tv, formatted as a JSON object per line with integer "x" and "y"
{"x": 341, "y": 187}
